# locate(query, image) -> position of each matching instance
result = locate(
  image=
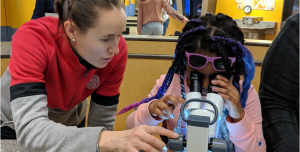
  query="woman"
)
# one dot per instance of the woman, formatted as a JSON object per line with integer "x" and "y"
{"x": 55, "y": 65}
{"x": 150, "y": 21}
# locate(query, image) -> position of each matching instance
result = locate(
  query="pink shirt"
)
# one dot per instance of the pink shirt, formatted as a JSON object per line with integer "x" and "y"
{"x": 151, "y": 11}
{"x": 247, "y": 134}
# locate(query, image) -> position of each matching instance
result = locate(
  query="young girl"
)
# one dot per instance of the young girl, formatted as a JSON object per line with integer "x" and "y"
{"x": 209, "y": 45}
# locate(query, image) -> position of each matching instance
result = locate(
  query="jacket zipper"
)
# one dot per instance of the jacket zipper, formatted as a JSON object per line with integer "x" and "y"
{"x": 86, "y": 72}
{"x": 79, "y": 84}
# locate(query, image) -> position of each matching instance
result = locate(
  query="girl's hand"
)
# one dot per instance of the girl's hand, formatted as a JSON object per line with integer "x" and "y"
{"x": 164, "y": 106}
{"x": 232, "y": 97}
{"x": 135, "y": 139}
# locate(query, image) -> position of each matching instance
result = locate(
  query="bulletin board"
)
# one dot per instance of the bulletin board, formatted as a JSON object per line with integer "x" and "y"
{"x": 257, "y": 4}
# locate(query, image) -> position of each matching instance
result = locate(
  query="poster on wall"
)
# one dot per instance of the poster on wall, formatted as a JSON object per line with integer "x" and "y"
{"x": 257, "y": 4}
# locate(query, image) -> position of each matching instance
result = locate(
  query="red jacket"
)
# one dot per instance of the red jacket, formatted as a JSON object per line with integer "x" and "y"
{"x": 41, "y": 53}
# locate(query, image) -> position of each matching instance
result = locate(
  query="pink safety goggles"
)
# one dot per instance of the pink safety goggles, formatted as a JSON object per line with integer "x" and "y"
{"x": 198, "y": 61}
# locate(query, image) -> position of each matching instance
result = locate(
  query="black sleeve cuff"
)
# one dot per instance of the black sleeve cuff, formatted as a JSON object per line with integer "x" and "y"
{"x": 27, "y": 89}
{"x": 105, "y": 100}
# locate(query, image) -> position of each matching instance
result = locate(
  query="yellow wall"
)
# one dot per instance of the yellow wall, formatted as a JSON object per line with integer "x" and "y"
{"x": 16, "y": 12}
{"x": 4, "y": 64}
{"x": 126, "y": 2}
{"x": 174, "y": 25}
{"x": 230, "y": 8}
{"x": 3, "y": 17}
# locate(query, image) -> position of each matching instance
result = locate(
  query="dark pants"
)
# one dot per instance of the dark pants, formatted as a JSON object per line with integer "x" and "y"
{"x": 8, "y": 133}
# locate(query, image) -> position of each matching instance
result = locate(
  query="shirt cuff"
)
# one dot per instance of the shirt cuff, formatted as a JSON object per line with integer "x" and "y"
{"x": 241, "y": 128}
{"x": 145, "y": 115}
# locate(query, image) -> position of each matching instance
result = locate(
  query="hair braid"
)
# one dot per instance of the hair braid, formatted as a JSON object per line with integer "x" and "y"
{"x": 226, "y": 61}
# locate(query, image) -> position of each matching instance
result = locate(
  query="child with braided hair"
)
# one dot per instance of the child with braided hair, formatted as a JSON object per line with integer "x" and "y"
{"x": 209, "y": 45}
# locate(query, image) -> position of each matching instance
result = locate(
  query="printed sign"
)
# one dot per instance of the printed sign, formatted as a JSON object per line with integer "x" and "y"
{"x": 258, "y": 4}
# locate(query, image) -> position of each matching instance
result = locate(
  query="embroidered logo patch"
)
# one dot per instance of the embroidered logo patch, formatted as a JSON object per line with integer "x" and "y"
{"x": 259, "y": 143}
{"x": 94, "y": 82}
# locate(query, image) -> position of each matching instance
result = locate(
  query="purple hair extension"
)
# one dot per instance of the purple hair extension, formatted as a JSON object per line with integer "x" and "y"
{"x": 182, "y": 35}
{"x": 209, "y": 13}
{"x": 136, "y": 104}
{"x": 194, "y": 20}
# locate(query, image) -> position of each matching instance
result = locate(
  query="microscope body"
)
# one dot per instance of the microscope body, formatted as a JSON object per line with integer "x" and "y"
{"x": 201, "y": 130}
{"x": 197, "y": 133}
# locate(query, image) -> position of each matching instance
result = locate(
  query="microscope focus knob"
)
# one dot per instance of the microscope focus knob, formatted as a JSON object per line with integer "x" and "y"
{"x": 177, "y": 144}
{"x": 217, "y": 145}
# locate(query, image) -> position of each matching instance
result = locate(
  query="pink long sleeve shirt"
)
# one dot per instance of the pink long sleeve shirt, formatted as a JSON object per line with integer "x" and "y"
{"x": 247, "y": 134}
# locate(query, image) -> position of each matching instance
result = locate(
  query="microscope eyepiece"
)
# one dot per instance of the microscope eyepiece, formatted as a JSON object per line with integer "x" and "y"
{"x": 196, "y": 82}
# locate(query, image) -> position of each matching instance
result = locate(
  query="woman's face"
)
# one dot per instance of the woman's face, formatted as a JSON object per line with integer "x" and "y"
{"x": 99, "y": 44}
{"x": 206, "y": 71}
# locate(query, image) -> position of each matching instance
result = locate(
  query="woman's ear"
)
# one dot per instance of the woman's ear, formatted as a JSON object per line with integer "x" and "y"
{"x": 70, "y": 30}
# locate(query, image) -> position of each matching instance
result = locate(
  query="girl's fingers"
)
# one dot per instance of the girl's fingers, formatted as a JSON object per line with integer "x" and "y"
{"x": 166, "y": 109}
{"x": 220, "y": 77}
{"x": 174, "y": 99}
{"x": 158, "y": 112}
{"x": 230, "y": 100}
{"x": 226, "y": 92}
{"x": 169, "y": 113}
{"x": 228, "y": 86}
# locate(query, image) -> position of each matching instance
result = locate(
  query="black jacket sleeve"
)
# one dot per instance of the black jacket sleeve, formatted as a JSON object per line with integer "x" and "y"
{"x": 279, "y": 90}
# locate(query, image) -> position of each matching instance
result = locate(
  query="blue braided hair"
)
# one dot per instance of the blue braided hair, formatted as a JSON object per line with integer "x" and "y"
{"x": 249, "y": 66}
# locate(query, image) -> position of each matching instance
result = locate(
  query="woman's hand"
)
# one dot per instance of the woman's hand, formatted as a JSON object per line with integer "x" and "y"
{"x": 135, "y": 139}
{"x": 232, "y": 97}
{"x": 163, "y": 107}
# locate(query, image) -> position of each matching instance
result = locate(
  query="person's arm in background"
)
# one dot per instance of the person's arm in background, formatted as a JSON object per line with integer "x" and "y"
{"x": 173, "y": 13}
{"x": 41, "y": 8}
{"x": 140, "y": 19}
{"x": 279, "y": 89}
{"x": 104, "y": 103}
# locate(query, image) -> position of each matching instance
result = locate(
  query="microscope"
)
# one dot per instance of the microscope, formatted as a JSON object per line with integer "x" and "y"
{"x": 201, "y": 122}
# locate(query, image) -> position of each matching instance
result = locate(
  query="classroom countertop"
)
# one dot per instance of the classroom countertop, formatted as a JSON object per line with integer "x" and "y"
{"x": 6, "y": 49}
